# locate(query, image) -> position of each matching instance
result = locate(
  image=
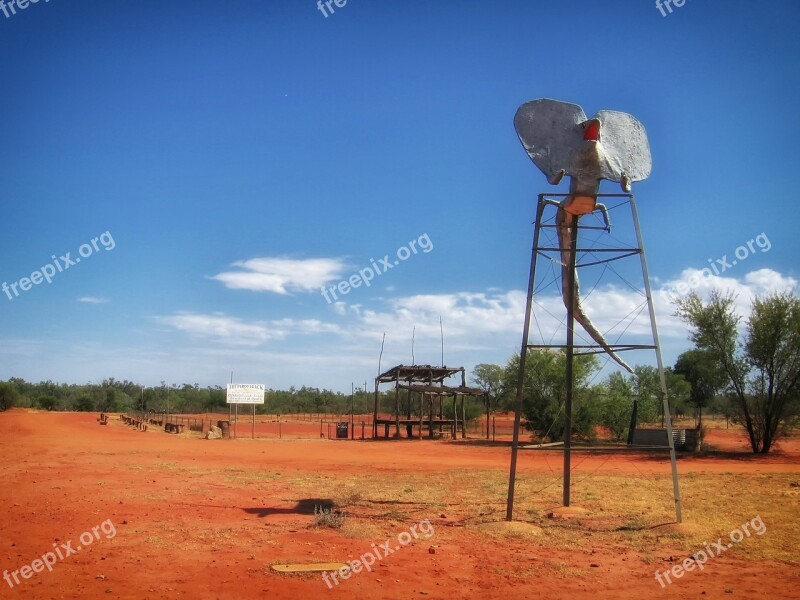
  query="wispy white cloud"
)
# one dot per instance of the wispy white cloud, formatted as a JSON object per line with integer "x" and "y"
{"x": 464, "y": 314}
{"x": 232, "y": 330}
{"x": 282, "y": 275}
{"x": 93, "y": 300}
{"x": 238, "y": 331}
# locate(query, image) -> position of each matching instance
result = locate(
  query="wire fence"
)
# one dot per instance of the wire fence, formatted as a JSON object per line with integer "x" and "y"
{"x": 298, "y": 426}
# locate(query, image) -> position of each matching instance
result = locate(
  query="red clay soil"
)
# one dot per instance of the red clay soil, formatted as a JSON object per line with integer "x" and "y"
{"x": 179, "y": 533}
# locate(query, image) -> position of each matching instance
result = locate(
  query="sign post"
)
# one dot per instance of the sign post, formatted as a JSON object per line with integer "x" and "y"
{"x": 246, "y": 393}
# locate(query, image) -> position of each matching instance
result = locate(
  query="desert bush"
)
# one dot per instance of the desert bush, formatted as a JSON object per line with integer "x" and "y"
{"x": 9, "y": 396}
{"x": 47, "y": 402}
{"x": 328, "y": 517}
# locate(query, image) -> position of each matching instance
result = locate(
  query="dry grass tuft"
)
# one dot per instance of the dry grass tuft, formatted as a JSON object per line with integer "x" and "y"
{"x": 328, "y": 517}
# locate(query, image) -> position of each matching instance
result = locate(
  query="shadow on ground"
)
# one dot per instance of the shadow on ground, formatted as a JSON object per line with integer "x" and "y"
{"x": 306, "y": 506}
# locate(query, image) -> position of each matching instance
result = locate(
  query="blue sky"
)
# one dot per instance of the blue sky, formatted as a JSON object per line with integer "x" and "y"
{"x": 242, "y": 154}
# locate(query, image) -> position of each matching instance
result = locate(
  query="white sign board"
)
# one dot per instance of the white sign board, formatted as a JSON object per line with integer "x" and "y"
{"x": 245, "y": 393}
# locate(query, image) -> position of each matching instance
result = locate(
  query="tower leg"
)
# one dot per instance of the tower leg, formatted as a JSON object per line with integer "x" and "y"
{"x": 664, "y": 400}
{"x": 522, "y": 357}
{"x": 570, "y": 359}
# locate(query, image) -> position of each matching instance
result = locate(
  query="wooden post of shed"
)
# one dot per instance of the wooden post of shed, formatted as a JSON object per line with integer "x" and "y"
{"x": 486, "y": 402}
{"x": 463, "y": 419}
{"x": 431, "y": 400}
{"x": 409, "y": 426}
{"x": 397, "y": 404}
{"x": 421, "y": 412}
{"x": 375, "y": 411}
{"x": 441, "y": 412}
{"x": 455, "y": 419}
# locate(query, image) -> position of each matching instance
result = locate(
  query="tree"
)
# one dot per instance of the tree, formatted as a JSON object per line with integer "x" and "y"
{"x": 679, "y": 392}
{"x": 762, "y": 371}
{"x": 47, "y": 402}
{"x": 618, "y": 392}
{"x": 646, "y": 386}
{"x": 544, "y": 393}
{"x": 490, "y": 379}
{"x": 9, "y": 396}
{"x": 725, "y": 405}
{"x": 84, "y": 404}
{"x": 704, "y": 375}
{"x": 616, "y": 404}
{"x": 107, "y": 403}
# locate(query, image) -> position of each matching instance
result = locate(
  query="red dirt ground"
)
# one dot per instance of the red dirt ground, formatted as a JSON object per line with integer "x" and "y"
{"x": 63, "y": 474}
